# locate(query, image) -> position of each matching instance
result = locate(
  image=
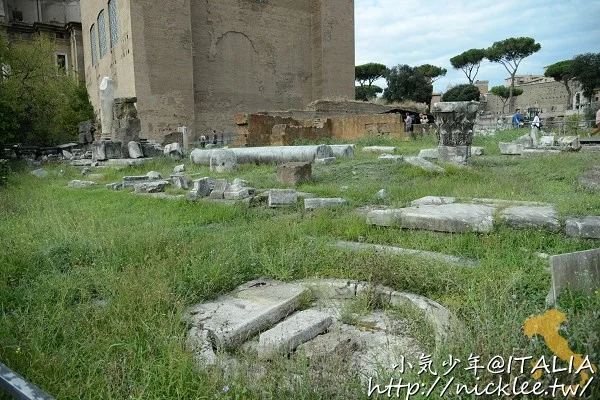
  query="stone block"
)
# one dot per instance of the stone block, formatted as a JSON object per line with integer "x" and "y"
{"x": 385, "y": 218}
{"x": 343, "y": 150}
{"x": 311, "y": 204}
{"x": 579, "y": 271}
{"x": 460, "y": 155}
{"x": 428, "y": 153}
{"x": 114, "y": 186}
{"x": 379, "y": 149}
{"x": 174, "y": 151}
{"x": 569, "y": 143}
{"x": 180, "y": 182}
{"x": 330, "y": 288}
{"x": 81, "y": 184}
{"x": 531, "y": 217}
{"x": 286, "y": 336}
{"x": 202, "y": 187}
{"x": 423, "y": 164}
{"x": 129, "y": 181}
{"x": 223, "y": 161}
{"x": 477, "y": 151}
{"x": 325, "y": 161}
{"x": 151, "y": 149}
{"x": 198, "y": 341}
{"x": 525, "y": 140}
{"x": 135, "y": 150}
{"x": 546, "y": 141}
{"x": 153, "y": 175}
{"x": 219, "y": 186}
{"x": 282, "y": 197}
{"x": 151, "y": 187}
{"x": 455, "y": 218}
{"x": 234, "y": 318}
{"x": 511, "y": 148}
{"x": 390, "y": 157}
{"x": 179, "y": 168}
{"x": 98, "y": 150}
{"x": 113, "y": 149}
{"x": 294, "y": 173}
{"x": 584, "y": 227}
{"x": 432, "y": 200}
{"x": 236, "y": 193}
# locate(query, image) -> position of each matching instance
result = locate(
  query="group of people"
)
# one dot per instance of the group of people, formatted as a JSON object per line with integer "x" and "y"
{"x": 410, "y": 121}
{"x": 204, "y": 139}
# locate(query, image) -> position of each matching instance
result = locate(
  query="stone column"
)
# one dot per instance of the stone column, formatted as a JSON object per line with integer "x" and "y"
{"x": 454, "y": 129}
{"x": 184, "y": 138}
{"x": 107, "y": 97}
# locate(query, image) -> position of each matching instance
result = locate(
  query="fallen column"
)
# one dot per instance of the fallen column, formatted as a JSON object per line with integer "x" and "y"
{"x": 268, "y": 155}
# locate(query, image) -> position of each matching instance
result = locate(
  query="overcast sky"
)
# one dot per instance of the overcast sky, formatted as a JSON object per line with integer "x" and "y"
{"x": 393, "y": 32}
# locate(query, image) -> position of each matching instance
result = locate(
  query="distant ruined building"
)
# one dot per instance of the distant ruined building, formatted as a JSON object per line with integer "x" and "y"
{"x": 199, "y": 63}
{"x": 58, "y": 19}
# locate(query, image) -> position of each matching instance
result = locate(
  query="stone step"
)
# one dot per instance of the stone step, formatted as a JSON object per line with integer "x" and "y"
{"x": 251, "y": 308}
{"x": 289, "y": 334}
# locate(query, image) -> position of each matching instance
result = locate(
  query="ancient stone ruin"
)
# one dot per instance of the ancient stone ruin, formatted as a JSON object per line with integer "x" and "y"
{"x": 454, "y": 122}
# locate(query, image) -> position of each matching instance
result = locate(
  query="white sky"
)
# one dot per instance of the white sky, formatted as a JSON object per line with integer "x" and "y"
{"x": 393, "y": 32}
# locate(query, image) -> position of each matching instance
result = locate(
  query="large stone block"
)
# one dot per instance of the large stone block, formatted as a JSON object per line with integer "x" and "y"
{"x": 251, "y": 308}
{"x": 135, "y": 150}
{"x": 531, "y": 217}
{"x": 294, "y": 173}
{"x": 423, "y": 164}
{"x": 223, "y": 161}
{"x": 311, "y": 204}
{"x": 202, "y": 187}
{"x": 585, "y": 227}
{"x": 286, "y": 336}
{"x": 577, "y": 271}
{"x": 449, "y": 218}
{"x": 282, "y": 197}
{"x": 511, "y": 148}
{"x": 343, "y": 150}
{"x": 385, "y": 218}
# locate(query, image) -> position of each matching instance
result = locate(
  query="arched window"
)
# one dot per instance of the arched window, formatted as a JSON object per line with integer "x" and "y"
{"x": 112, "y": 22}
{"x": 93, "y": 42}
{"x": 102, "y": 33}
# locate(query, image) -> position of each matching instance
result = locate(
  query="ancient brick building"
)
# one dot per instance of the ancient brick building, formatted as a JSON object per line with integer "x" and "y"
{"x": 198, "y": 63}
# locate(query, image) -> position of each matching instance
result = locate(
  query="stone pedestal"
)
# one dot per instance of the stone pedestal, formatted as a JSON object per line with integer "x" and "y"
{"x": 103, "y": 150}
{"x": 126, "y": 125}
{"x": 454, "y": 129}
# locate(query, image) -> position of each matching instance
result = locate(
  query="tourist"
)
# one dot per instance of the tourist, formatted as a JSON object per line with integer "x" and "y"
{"x": 597, "y": 123}
{"x": 535, "y": 128}
{"x": 203, "y": 141}
{"x": 215, "y": 138}
{"x": 408, "y": 122}
{"x": 516, "y": 121}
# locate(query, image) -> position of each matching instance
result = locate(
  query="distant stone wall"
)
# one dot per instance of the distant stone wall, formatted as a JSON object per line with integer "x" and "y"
{"x": 549, "y": 97}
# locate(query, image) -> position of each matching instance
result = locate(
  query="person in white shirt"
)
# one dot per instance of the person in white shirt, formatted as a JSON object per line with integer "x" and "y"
{"x": 535, "y": 128}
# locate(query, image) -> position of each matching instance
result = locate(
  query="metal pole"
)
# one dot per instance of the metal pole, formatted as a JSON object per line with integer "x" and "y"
{"x": 17, "y": 387}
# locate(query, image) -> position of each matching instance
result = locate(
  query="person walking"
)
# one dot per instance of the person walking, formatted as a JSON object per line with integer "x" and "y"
{"x": 535, "y": 129}
{"x": 597, "y": 123}
{"x": 516, "y": 121}
{"x": 408, "y": 122}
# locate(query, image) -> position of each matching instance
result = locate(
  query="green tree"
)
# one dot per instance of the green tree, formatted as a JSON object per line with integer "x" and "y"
{"x": 432, "y": 72}
{"x": 39, "y": 102}
{"x": 585, "y": 69}
{"x": 366, "y": 93}
{"x": 469, "y": 61}
{"x": 407, "y": 83}
{"x": 504, "y": 93}
{"x": 510, "y": 52}
{"x": 366, "y": 74}
{"x": 464, "y": 92}
{"x": 561, "y": 72}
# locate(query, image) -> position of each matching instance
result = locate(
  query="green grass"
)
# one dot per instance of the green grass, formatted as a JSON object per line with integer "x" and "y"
{"x": 93, "y": 283}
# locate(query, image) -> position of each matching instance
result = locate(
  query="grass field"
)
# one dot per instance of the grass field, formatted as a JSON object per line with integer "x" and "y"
{"x": 93, "y": 283}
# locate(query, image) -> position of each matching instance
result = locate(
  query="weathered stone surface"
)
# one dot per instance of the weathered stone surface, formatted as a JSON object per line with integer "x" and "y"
{"x": 240, "y": 182}
{"x": 577, "y": 271}
{"x": 114, "y": 186}
{"x": 85, "y": 171}
{"x": 508, "y": 203}
{"x": 67, "y": 155}
{"x": 236, "y": 192}
{"x": 454, "y": 123}
{"x": 379, "y": 149}
{"x": 423, "y": 164}
{"x": 133, "y": 180}
{"x": 202, "y": 187}
{"x": 86, "y": 132}
{"x": 152, "y": 175}
{"x": 382, "y": 195}
{"x": 385, "y": 218}
{"x": 198, "y": 341}
{"x": 180, "y": 182}
{"x": 179, "y": 168}
{"x": 223, "y": 160}
{"x": 107, "y": 98}
{"x": 531, "y": 217}
{"x": 150, "y": 187}
{"x": 438, "y": 315}
{"x": 511, "y": 148}
{"x": 135, "y": 150}
{"x": 152, "y": 149}
{"x": 443, "y": 218}
{"x": 331, "y": 344}
{"x": 173, "y": 150}
{"x": 252, "y": 307}
{"x": 81, "y": 163}
{"x": 546, "y": 141}
{"x": 40, "y": 173}
{"x": 477, "y": 151}
{"x": 525, "y": 140}
{"x": 294, "y": 173}
{"x": 98, "y": 151}
{"x": 390, "y": 157}
{"x": 325, "y": 161}
{"x": 330, "y": 288}
{"x": 282, "y": 197}
{"x": 591, "y": 178}
{"x": 585, "y": 227}
{"x": 81, "y": 184}
{"x": 540, "y": 152}
{"x": 432, "y": 200}
{"x": 310, "y": 204}
{"x": 219, "y": 186}
{"x": 343, "y": 150}
{"x": 428, "y": 153}
{"x": 106, "y": 150}
{"x": 286, "y": 336}
{"x": 453, "y": 260}
{"x": 460, "y": 155}
{"x": 569, "y": 143}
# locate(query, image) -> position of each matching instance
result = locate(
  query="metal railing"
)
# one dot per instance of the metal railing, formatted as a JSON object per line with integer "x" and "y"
{"x": 19, "y": 388}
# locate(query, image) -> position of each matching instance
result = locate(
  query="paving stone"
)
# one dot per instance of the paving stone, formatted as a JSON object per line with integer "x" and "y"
{"x": 379, "y": 149}
{"x": 432, "y": 200}
{"x": 448, "y": 259}
{"x": 577, "y": 271}
{"x": 310, "y": 204}
{"x": 584, "y": 227}
{"x": 531, "y": 217}
{"x": 423, "y": 164}
{"x": 282, "y": 197}
{"x": 330, "y": 344}
{"x": 511, "y": 148}
{"x": 81, "y": 184}
{"x": 286, "y": 336}
{"x": 234, "y": 318}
